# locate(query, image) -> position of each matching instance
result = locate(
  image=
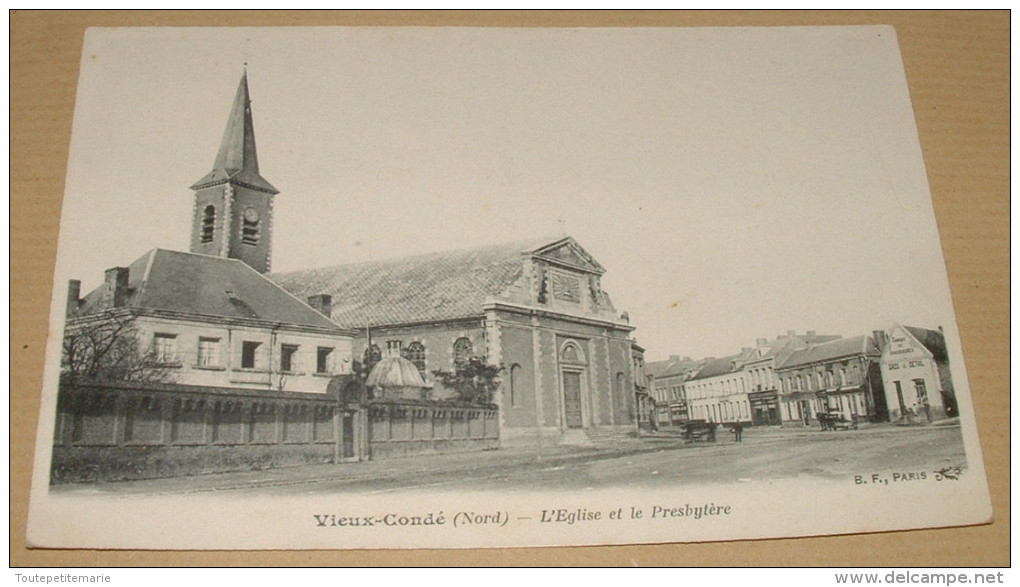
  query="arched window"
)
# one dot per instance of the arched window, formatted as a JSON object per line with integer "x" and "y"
{"x": 462, "y": 350}
{"x": 208, "y": 223}
{"x": 515, "y": 374}
{"x": 416, "y": 354}
{"x": 571, "y": 353}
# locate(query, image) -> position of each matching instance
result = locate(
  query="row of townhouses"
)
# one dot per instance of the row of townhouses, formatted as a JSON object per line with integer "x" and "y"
{"x": 896, "y": 375}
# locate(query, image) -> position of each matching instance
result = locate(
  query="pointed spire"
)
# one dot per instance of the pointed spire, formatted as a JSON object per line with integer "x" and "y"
{"x": 237, "y": 159}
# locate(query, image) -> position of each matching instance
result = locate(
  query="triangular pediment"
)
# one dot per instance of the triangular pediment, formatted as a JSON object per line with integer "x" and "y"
{"x": 567, "y": 252}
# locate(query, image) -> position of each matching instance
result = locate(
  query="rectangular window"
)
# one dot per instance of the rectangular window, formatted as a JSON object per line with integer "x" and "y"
{"x": 921, "y": 391}
{"x": 165, "y": 347}
{"x": 322, "y": 359}
{"x": 209, "y": 352}
{"x": 287, "y": 357}
{"x": 249, "y": 354}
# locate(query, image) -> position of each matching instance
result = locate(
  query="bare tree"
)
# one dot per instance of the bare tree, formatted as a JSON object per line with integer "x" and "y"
{"x": 107, "y": 346}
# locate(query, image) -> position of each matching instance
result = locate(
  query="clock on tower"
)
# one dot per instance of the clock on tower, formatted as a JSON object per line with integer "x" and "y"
{"x": 233, "y": 202}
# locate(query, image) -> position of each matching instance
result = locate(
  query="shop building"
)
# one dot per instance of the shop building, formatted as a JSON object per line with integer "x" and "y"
{"x": 915, "y": 375}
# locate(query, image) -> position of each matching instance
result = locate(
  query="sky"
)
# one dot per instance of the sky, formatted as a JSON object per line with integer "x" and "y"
{"x": 735, "y": 183}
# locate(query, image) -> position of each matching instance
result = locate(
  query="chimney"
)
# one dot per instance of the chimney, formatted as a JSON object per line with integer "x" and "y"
{"x": 323, "y": 304}
{"x": 115, "y": 287}
{"x": 73, "y": 296}
{"x": 879, "y": 336}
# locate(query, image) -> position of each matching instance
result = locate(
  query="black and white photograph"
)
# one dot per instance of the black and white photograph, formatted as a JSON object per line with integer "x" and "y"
{"x": 345, "y": 287}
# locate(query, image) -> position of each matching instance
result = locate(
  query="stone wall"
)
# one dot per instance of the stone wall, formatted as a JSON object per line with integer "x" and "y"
{"x": 408, "y": 427}
{"x": 116, "y": 431}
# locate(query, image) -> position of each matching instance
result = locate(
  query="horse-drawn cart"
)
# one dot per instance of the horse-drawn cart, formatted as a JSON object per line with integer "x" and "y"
{"x": 836, "y": 421}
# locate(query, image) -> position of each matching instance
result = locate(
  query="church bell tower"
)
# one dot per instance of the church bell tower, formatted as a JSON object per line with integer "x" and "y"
{"x": 233, "y": 203}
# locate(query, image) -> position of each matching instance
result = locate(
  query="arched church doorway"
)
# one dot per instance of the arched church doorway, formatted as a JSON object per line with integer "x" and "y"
{"x": 572, "y": 378}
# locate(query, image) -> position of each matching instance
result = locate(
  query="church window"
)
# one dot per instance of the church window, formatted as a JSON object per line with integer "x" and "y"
{"x": 462, "y": 349}
{"x": 515, "y": 374}
{"x": 288, "y": 353}
{"x": 208, "y": 223}
{"x": 249, "y": 354}
{"x": 416, "y": 354}
{"x": 322, "y": 359}
{"x": 571, "y": 353}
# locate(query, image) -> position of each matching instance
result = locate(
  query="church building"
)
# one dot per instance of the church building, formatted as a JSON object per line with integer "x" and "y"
{"x": 535, "y": 307}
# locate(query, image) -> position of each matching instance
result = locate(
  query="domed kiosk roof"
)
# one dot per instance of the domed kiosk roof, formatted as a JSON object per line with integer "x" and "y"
{"x": 395, "y": 372}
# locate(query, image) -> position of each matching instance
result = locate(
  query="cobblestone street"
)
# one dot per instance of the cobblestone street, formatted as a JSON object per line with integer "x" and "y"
{"x": 657, "y": 461}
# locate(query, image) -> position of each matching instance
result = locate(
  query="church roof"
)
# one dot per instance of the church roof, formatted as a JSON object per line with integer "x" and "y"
{"x": 237, "y": 160}
{"x": 423, "y": 288}
{"x": 188, "y": 283}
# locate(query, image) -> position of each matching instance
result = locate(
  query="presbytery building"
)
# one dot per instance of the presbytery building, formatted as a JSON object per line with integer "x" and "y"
{"x": 211, "y": 316}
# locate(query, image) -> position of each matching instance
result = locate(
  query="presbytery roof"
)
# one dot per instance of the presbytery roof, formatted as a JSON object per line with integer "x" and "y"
{"x": 206, "y": 286}
{"x": 430, "y": 287}
{"x": 237, "y": 160}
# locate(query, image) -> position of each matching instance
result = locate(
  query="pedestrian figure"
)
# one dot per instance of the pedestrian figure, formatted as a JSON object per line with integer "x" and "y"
{"x": 738, "y": 430}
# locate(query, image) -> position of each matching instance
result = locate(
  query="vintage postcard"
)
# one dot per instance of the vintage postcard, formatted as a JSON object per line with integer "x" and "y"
{"x": 452, "y": 287}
